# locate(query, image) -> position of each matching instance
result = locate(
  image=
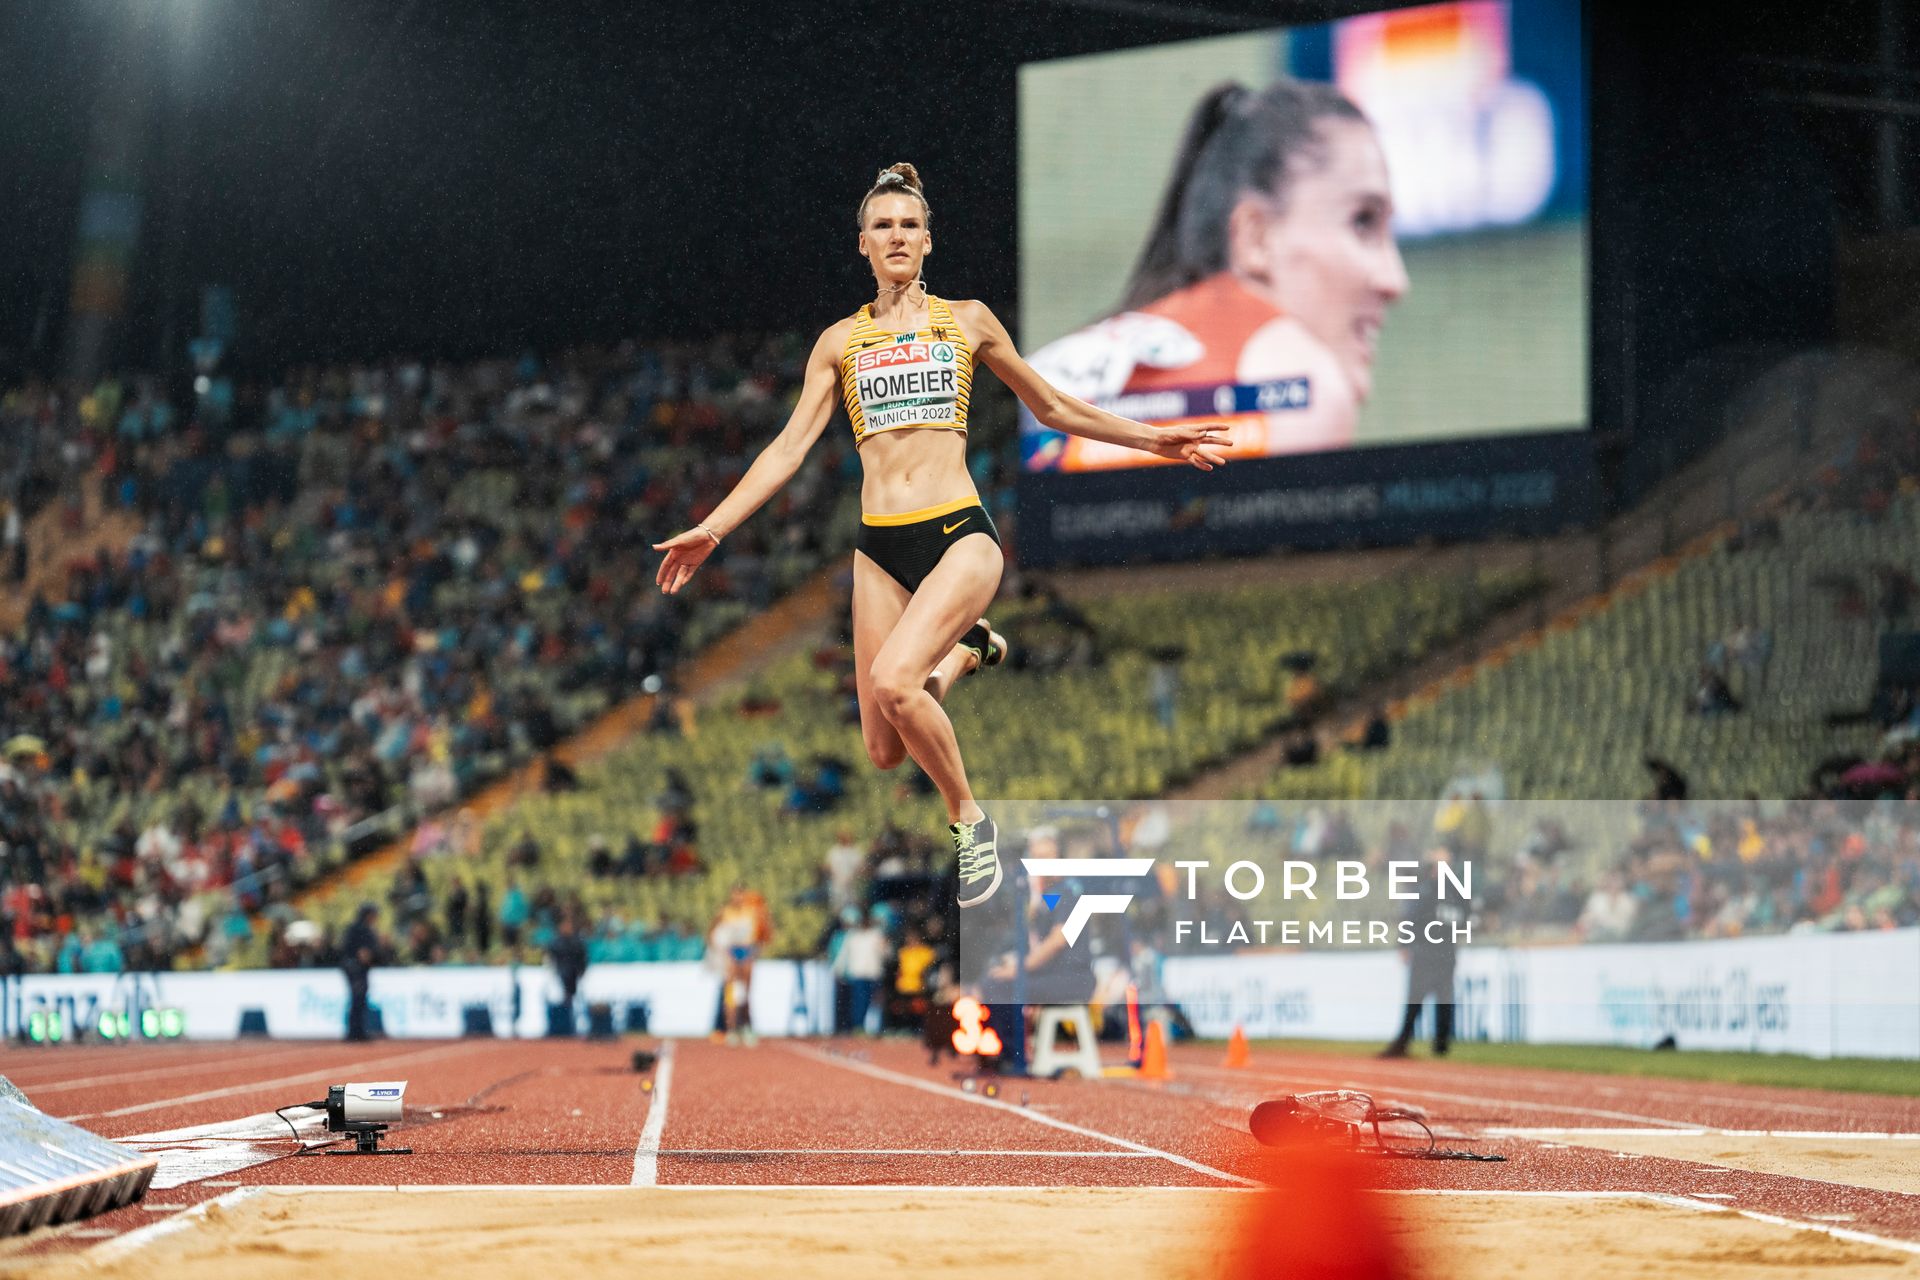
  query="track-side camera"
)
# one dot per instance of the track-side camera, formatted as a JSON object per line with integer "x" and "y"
{"x": 366, "y": 1111}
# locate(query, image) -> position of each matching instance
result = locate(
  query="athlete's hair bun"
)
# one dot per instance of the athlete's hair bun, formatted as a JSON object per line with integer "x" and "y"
{"x": 899, "y": 175}
{"x": 897, "y": 179}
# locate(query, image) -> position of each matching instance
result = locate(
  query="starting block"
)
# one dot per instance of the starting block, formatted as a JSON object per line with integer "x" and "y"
{"x": 55, "y": 1172}
{"x": 1049, "y": 1060}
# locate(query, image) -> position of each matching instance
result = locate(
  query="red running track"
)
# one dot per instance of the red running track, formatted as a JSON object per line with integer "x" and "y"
{"x": 855, "y": 1112}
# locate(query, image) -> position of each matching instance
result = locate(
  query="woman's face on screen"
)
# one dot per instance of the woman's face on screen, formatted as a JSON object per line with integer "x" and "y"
{"x": 894, "y": 237}
{"x": 1327, "y": 256}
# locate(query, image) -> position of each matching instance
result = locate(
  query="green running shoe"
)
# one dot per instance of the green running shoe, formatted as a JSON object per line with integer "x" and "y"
{"x": 976, "y": 846}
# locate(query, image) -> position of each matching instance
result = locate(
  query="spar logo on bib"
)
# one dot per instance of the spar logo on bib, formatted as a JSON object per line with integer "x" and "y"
{"x": 908, "y": 383}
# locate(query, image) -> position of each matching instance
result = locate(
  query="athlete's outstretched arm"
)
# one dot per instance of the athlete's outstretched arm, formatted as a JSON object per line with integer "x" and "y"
{"x": 1201, "y": 445}
{"x": 769, "y": 472}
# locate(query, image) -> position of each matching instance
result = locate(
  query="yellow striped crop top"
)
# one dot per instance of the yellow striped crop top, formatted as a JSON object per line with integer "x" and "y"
{"x": 897, "y": 380}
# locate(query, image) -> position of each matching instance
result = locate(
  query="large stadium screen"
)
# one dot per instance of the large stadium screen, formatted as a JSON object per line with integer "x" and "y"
{"x": 1366, "y": 232}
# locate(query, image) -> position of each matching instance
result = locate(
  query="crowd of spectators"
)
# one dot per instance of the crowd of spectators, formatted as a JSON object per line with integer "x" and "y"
{"x": 470, "y": 924}
{"x": 1721, "y": 871}
{"x": 1655, "y": 871}
{"x": 357, "y": 592}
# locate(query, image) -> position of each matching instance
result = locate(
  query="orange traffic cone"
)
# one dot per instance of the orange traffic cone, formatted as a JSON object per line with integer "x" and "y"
{"x": 1153, "y": 1060}
{"x": 1237, "y": 1055}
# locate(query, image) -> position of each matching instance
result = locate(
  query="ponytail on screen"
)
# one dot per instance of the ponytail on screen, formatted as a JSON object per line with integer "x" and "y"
{"x": 1237, "y": 141}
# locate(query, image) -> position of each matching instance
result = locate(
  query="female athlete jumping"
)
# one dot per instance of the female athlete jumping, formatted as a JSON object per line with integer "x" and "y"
{"x": 927, "y": 558}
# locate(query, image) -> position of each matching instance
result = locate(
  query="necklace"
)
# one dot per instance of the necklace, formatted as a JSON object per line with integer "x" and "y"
{"x": 898, "y": 289}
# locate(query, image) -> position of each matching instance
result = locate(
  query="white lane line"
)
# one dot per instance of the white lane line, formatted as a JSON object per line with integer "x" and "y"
{"x": 1428, "y": 1070}
{"x": 1414, "y": 1090}
{"x": 1681, "y": 1158}
{"x": 203, "y": 1064}
{"x": 1503, "y": 1193}
{"x": 1824, "y": 1135}
{"x": 908, "y": 1151}
{"x": 202, "y": 1151}
{"x": 1577, "y": 1131}
{"x": 807, "y": 1188}
{"x": 646, "y": 1157}
{"x": 1025, "y": 1113}
{"x": 344, "y": 1071}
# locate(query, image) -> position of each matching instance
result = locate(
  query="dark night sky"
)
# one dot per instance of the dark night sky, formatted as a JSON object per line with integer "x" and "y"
{"x": 409, "y": 175}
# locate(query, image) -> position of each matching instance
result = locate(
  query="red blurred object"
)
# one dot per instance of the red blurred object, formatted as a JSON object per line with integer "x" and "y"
{"x": 1315, "y": 1220}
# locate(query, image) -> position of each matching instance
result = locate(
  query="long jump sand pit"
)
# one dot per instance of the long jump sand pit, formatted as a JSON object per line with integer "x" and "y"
{"x": 1883, "y": 1164}
{"x": 833, "y": 1233}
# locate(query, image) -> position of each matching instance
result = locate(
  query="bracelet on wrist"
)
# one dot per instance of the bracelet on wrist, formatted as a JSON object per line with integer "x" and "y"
{"x": 710, "y": 533}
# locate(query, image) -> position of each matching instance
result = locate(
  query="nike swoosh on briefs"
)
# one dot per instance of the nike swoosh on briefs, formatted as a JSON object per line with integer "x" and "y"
{"x": 949, "y": 528}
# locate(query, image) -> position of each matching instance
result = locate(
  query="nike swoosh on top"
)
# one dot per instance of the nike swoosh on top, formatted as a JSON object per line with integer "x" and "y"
{"x": 949, "y": 528}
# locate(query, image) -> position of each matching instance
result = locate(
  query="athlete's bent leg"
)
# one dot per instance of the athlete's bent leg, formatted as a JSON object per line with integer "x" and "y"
{"x": 958, "y": 662}
{"x": 948, "y": 602}
{"x": 981, "y": 646}
{"x": 957, "y": 589}
{"x": 878, "y": 602}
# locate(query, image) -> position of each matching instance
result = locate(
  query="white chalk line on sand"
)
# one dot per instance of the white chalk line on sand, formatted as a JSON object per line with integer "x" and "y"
{"x": 646, "y": 1156}
{"x": 342, "y": 1071}
{"x": 1025, "y": 1113}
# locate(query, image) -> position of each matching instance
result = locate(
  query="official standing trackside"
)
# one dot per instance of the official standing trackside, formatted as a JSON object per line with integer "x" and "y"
{"x": 359, "y": 950}
{"x": 1430, "y": 958}
{"x": 569, "y": 956}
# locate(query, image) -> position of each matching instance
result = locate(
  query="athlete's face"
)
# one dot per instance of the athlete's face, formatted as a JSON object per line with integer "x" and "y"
{"x": 895, "y": 238}
{"x": 1327, "y": 256}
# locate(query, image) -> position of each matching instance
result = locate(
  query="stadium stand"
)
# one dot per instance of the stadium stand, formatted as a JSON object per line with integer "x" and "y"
{"x": 350, "y": 600}
{"x": 1745, "y": 667}
{"x": 750, "y": 791}
{"x": 1694, "y": 660}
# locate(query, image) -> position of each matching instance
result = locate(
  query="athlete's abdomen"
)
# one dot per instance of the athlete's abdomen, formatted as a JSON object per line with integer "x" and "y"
{"x": 906, "y": 470}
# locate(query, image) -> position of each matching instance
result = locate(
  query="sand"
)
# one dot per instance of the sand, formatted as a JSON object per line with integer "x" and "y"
{"x": 838, "y": 1233}
{"x": 1884, "y": 1164}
